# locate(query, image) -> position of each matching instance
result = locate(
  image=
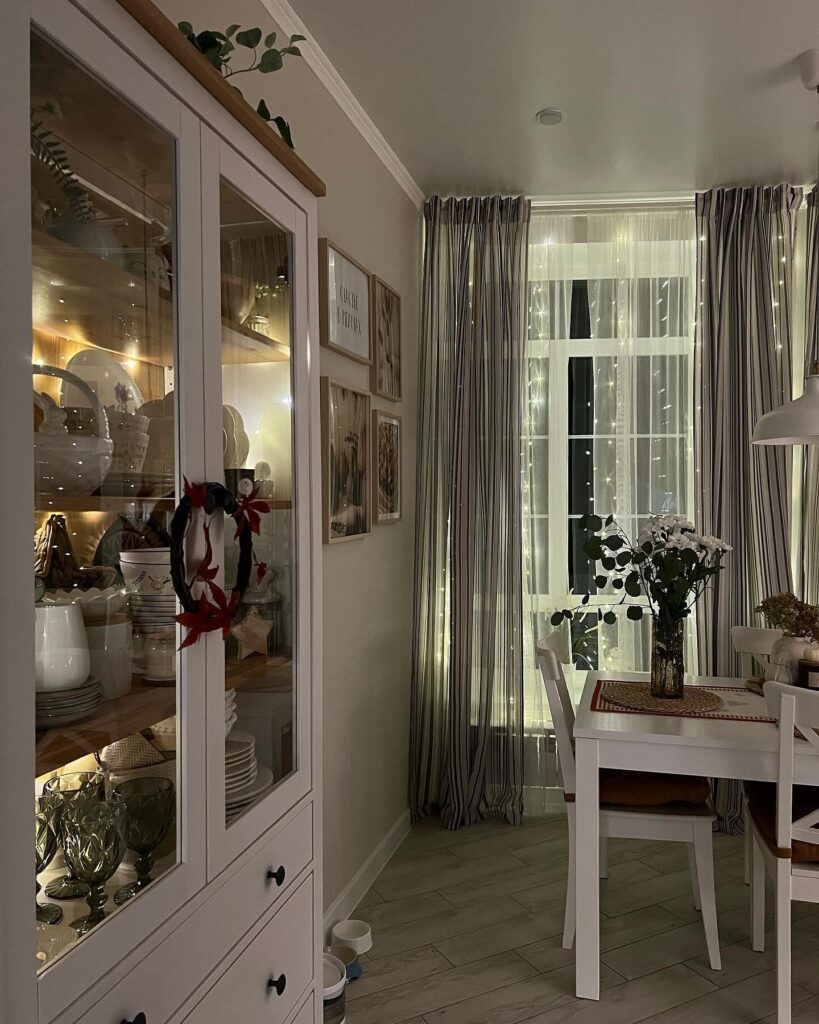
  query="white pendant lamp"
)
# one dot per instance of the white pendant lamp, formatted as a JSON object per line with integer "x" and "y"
{"x": 796, "y": 422}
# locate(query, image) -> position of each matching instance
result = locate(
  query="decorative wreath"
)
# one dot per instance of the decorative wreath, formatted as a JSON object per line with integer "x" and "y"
{"x": 213, "y": 609}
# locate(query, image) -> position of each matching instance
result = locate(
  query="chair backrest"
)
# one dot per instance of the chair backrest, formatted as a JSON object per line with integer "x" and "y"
{"x": 550, "y": 653}
{"x": 794, "y": 707}
{"x": 754, "y": 641}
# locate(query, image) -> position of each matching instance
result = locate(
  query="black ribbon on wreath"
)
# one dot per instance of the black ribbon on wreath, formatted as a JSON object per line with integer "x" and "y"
{"x": 213, "y": 609}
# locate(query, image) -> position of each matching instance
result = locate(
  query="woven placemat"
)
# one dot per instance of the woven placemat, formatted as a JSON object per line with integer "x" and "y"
{"x": 637, "y": 697}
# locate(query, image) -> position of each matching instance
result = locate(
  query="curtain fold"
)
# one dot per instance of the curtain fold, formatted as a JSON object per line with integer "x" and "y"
{"x": 466, "y": 739}
{"x": 742, "y": 369}
{"x": 810, "y": 464}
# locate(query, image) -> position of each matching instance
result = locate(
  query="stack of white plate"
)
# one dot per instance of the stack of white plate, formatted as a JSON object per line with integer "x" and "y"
{"x": 245, "y": 779}
{"x": 61, "y": 707}
{"x": 230, "y": 710}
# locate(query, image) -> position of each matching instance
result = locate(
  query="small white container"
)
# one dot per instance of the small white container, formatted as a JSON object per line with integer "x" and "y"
{"x": 334, "y": 983}
{"x": 61, "y": 657}
{"x": 355, "y": 934}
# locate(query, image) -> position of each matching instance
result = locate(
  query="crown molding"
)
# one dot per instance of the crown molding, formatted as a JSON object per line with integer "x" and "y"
{"x": 284, "y": 15}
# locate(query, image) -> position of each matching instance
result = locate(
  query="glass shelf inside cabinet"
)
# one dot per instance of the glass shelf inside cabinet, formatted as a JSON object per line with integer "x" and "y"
{"x": 104, "y": 437}
{"x": 257, "y": 417}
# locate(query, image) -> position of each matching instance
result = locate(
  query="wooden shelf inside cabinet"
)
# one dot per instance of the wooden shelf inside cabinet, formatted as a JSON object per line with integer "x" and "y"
{"x": 259, "y": 673}
{"x": 100, "y": 503}
{"x": 110, "y": 721}
{"x": 242, "y": 345}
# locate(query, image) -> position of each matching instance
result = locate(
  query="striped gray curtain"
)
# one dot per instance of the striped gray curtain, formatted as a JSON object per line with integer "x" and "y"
{"x": 810, "y": 464}
{"x": 467, "y": 687}
{"x": 742, "y": 369}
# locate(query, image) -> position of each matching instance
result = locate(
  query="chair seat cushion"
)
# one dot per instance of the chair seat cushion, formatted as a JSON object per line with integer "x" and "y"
{"x": 762, "y": 805}
{"x": 650, "y": 789}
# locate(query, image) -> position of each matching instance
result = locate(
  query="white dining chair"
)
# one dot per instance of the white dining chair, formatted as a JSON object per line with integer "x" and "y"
{"x": 785, "y": 829}
{"x": 754, "y": 643}
{"x": 634, "y": 805}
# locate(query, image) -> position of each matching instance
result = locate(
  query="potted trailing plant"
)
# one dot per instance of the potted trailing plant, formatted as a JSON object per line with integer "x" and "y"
{"x": 800, "y": 624}
{"x": 668, "y": 567}
{"x": 219, "y": 49}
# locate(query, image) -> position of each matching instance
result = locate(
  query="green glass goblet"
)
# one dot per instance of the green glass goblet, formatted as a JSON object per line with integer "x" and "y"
{"x": 94, "y": 844}
{"x": 150, "y": 804}
{"x": 47, "y": 810}
{"x": 70, "y": 787}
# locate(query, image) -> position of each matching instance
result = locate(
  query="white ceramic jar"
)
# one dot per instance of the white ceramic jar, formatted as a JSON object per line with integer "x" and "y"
{"x": 61, "y": 657}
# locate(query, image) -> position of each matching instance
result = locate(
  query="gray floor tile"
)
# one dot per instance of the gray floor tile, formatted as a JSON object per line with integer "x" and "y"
{"x": 408, "y": 1000}
{"x": 496, "y": 938}
{"x": 388, "y": 971}
{"x": 411, "y": 908}
{"x": 619, "y": 875}
{"x": 421, "y": 880}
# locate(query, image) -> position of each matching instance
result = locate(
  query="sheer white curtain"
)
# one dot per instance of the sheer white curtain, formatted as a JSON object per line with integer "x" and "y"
{"x": 608, "y": 414}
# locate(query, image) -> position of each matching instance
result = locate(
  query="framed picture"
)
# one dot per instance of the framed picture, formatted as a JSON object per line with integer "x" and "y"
{"x": 385, "y": 373}
{"x": 345, "y": 461}
{"x": 344, "y": 303}
{"x": 386, "y": 467}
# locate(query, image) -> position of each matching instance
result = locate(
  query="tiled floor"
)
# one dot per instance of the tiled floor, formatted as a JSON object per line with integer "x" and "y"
{"x": 467, "y": 928}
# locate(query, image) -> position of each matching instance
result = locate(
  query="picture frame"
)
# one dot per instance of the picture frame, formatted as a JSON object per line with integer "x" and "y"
{"x": 345, "y": 462}
{"x": 387, "y": 444}
{"x": 385, "y": 318}
{"x": 345, "y": 303}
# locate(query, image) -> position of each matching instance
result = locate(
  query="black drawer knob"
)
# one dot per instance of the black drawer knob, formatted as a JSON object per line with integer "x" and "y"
{"x": 276, "y": 876}
{"x": 279, "y": 984}
{"x": 139, "y": 1019}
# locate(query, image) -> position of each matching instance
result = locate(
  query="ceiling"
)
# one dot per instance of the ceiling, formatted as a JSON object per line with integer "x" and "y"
{"x": 659, "y": 96}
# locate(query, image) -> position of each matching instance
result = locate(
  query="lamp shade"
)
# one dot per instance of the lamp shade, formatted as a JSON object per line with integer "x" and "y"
{"x": 796, "y": 422}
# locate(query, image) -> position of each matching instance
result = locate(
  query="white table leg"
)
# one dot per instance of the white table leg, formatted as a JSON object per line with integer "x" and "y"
{"x": 587, "y": 868}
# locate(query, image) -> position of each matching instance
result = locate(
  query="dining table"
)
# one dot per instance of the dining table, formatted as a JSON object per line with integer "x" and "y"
{"x": 738, "y": 741}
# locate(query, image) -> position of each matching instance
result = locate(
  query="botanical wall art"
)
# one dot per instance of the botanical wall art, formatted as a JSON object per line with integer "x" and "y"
{"x": 344, "y": 303}
{"x": 386, "y": 365}
{"x": 386, "y": 467}
{"x": 345, "y": 419}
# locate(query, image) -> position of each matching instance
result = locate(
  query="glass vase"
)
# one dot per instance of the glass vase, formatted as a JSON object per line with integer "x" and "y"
{"x": 667, "y": 658}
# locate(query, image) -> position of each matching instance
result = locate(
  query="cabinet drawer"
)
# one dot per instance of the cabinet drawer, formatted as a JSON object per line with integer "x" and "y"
{"x": 306, "y": 1014}
{"x": 271, "y": 975}
{"x": 196, "y": 948}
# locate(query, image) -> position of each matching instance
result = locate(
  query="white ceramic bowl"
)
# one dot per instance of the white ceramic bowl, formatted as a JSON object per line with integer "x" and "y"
{"x": 147, "y": 556}
{"x": 94, "y": 603}
{"x": 355, "y": 934}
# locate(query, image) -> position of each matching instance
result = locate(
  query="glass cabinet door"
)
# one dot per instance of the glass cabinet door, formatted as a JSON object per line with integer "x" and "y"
{"x": 105, "y": 360}
{"x": 259, "y": 351}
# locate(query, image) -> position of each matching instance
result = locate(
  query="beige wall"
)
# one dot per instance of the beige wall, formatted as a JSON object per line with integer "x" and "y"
{"x": 368, "y": 582}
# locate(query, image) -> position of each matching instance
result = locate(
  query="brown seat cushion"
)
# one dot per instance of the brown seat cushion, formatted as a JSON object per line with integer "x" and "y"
{"x": 762, "y": 805}
{"x": 650, "y": 789}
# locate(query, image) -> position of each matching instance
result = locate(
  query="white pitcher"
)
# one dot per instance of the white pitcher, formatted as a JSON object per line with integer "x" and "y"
{"x": 61, "y": 657}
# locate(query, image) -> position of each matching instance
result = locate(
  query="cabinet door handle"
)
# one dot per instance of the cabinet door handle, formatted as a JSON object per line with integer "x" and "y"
{"x": 276, "y": 876}
{"x": 139, "y": 1019}
{"x": 279, "y": 984}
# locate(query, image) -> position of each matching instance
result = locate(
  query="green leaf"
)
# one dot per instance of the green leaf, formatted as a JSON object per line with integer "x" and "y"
{"x": 284, "y": 131}
{"x": 271, "y": 60}
{"x": 633, "y": 588}
{"x": 617, "y": 583}
{"x": 556, "y": 619}
{"x": 249, "y": 37}
{"x": 294, "y": 51}
{"x": 262, "y": 109}
{"x": 680, "y": 586}
{"x": 270, "y": 40}
{"x": 610, "y": 618}
{"x": 608, "y": 563}
{"x": 586, "y": 599}
{"x": 689, "y": 556}
{"x": 592, "y": 522}
{"x": 297, "y": 39}
{"x": 634, "y": 612}
{"x": 231, "y": 29}
{"x": 185, "y": 28}
{"x": 593, "y": 548}
{"x": 647, "y": 546}
{"x": 601, "y": 581}
{"x": 623, "y": 558}
{"x": 609, "y": 520}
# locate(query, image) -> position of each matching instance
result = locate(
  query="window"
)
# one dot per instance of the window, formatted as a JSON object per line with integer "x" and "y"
{"x": 608, "y": 410}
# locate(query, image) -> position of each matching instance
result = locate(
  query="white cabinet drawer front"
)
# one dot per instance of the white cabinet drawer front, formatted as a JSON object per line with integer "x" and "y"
{"x": 306, "y": 1014}
{"x": 271, "y": 975}
{"x": 165, "y": 979}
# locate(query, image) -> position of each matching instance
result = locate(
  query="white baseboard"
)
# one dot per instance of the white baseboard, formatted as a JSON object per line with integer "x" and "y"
{"x": 352, "y": 894}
